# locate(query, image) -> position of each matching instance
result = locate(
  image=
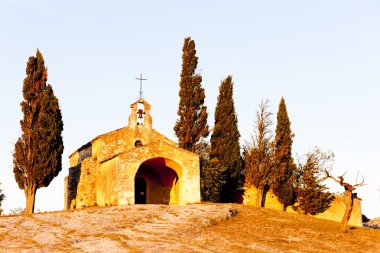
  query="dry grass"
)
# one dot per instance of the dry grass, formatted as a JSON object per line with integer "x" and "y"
{"x": 191, "y": 228}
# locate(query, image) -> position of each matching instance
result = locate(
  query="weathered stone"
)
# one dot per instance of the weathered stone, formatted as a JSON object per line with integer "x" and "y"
{"x": 334, "y": 212}
{"x": 104, "y": 171}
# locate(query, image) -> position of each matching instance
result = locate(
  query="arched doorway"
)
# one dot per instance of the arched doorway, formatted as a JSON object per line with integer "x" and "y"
{"x": 161, "y": 182}
{"x": 140, "y": 191}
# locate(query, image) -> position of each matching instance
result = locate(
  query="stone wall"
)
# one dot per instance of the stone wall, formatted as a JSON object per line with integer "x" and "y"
{"x": 337, "y": 208}
{"x": 86, "y": 186}
{"x": 271, "y": 201}
{"x": 105, "y": 187}
{"x": 72, "y": 184}
{"x": 335, "y": 212}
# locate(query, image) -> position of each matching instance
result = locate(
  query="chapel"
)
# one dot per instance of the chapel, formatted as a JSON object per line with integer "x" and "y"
{"x": 132, "y": 165}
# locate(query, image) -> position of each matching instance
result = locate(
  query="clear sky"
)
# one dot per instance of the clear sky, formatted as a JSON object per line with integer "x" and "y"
{"x": 322, "y": 56}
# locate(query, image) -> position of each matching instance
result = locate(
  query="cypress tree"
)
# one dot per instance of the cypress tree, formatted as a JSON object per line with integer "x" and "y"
{"x": 2, "y": 197}
{"x": 284, "y": 167}
{"x": 192, "y": 123}
{"x": 312, "y": 194}
{"x": 212, "y": 175}
{"x": 258, "y": 155}
{"x": 225, "y": 148}
{"x": 38, "y": 152}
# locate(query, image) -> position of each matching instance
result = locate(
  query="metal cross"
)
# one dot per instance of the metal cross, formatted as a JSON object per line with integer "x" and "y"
{"x": 141, "y": 79}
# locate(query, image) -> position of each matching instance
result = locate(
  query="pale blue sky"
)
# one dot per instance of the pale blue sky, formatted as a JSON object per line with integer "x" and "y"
{"x": 322, "y": 56}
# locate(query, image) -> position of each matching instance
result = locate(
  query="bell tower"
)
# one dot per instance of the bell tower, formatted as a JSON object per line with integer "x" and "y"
{"x": 140, "y": 115}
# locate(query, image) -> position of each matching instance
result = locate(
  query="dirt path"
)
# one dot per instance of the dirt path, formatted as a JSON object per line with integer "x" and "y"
{"x": 191, "y": 228}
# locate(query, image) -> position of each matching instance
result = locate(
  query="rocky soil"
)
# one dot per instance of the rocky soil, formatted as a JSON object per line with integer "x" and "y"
{"x": 191, "y": 228}
{"x": 373, "y": 223}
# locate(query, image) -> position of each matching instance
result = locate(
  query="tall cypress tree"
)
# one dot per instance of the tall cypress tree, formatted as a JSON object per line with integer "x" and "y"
{"x": 38, "y": 152}
{"x": 284, "y": 167}
{"x": 192, "y": 123}
{"x": 225, "y": 148}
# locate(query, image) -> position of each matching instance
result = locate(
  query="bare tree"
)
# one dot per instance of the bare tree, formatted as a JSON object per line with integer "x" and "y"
{"x": 348, "y": 196}
{"x": 259, "y": 154}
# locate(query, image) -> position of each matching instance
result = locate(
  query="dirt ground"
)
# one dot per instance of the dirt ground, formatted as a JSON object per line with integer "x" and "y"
{"x": 192, "y": 228}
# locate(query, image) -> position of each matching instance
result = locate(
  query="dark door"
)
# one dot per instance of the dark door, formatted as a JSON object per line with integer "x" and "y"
{"x": 140, "y": 191}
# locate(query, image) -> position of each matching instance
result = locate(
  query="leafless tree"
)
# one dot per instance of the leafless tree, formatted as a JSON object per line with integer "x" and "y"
{"x": 348, "y": 196}
{"x": 259, "y": 154}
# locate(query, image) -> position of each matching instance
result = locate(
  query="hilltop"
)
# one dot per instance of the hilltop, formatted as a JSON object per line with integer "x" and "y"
{"x": 191, "y": 228}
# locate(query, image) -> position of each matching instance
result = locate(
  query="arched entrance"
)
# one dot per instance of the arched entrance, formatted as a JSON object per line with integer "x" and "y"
{"x": 157, "y": 182}
{"x": 140, "y": 190}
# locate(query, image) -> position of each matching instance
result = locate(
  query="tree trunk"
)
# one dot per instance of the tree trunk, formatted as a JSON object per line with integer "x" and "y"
{"x": 259, "y": 197}
{"x": 347, "y": 213}
{"x": 30, "y": 195}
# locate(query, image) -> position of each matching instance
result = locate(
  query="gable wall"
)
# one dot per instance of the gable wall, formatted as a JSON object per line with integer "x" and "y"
{"x": 184, "y": 163}
{"x": 105, "y": 174}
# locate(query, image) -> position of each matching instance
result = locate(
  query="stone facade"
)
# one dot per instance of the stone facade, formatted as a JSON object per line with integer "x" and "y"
{"x": 134, "y": 164}
{"x": 335, "y": 212}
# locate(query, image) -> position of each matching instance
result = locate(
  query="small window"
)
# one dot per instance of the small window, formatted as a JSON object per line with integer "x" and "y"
{"x": 138, "y": 143}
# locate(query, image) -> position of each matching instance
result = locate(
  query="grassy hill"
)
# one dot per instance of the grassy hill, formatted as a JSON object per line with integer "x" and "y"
{"x": 191, "y": 228}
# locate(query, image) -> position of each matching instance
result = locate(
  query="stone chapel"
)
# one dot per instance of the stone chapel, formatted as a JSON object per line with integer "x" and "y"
{"x": 132, "y": 165}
